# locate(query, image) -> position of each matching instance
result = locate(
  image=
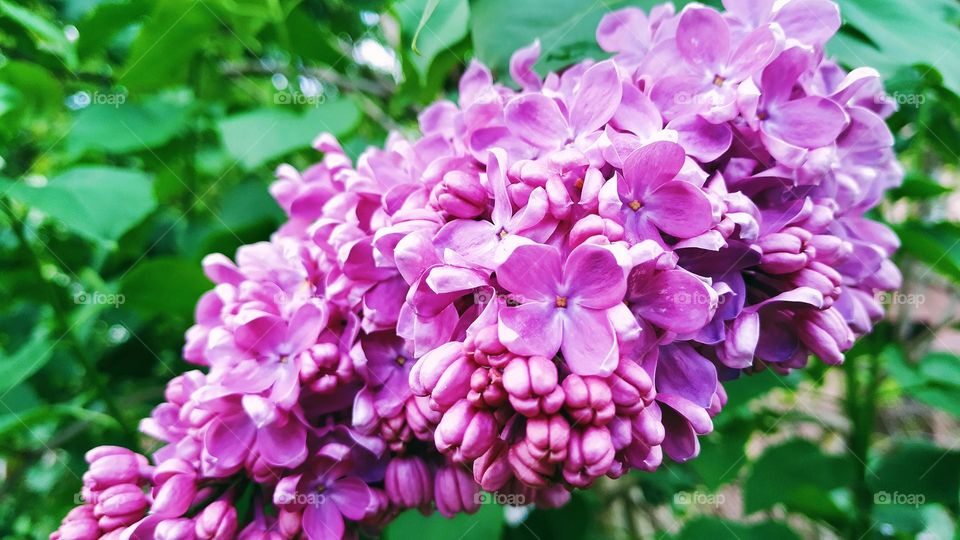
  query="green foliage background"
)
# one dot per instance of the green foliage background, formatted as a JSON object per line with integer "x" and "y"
{"x": 137, "y": 136}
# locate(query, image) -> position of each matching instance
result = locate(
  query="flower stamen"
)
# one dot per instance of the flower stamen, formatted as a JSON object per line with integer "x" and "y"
{"x": 561, "y": 301}
{"x": 635, "y": 205}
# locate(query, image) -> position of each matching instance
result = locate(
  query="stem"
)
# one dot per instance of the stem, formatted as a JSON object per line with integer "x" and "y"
{"x": 861, "y": 405}
{"x": 62, "y": 318}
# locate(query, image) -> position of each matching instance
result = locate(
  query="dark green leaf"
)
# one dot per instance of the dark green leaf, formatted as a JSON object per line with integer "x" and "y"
{"x": 167, "y": 42}
{"x": 800, "y": 476}
{"x": 486, "y": 524}
{"x": 28, "y": 359}
{"x": 164, "y": 286}
{"x": 919, "y": 187}
{"x": 99, "y": 203}
{"x": 915, "y": 472}
{"x": 934, "y": 244}
{"x": 47, "y": 35}
{"x": 722, "y": 529}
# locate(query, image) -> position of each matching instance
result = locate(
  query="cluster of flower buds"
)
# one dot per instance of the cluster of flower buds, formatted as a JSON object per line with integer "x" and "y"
{"x": 548, "y": 286}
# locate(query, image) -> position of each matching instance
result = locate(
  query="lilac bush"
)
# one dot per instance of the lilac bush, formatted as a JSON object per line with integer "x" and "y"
{"x": 548, "y": 286}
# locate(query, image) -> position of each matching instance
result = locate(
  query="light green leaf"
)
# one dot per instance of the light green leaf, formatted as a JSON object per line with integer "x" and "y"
{"x": 427, "y": 13}
{"x": 442, "y": 24}
{"x": 120, "y": 126}
{"x": 47, "y": 35}
{"x": 98, "y": 203}
{"x": 261, "y": 135}
{"x": 27, "y": 360}
{"x": 911, "y": 33}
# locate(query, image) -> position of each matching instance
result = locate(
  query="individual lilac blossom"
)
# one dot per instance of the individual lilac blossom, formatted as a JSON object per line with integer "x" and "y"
{"x": 565, "y": 304}
{"x": 711, "y": 65}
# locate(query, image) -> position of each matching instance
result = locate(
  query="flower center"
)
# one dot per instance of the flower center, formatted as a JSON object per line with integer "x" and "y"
{"x": 561, "y": 301}
{"x": 718, "y": 80}
{"x": 578, "y": 184}
{"x": 635, "y": 205}
{"x": 401, "y": 360}
{"x": 762, "y": 115}
{"x": 502, "y": 234}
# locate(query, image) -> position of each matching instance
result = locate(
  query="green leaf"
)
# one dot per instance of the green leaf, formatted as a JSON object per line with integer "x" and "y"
{"x": 124, "y": 127}
{"x": 934, "y": 244}
{"x": 901, "y": 34}
{"x": 566, "y": 29}
{"x": 99, "y": 26}
{"x": 427, "y": 13}
{"x": 486, "y": 524}
{"x": 722, "y": 529}
{"x": 46, "y": 35}
{"x": 13, "y": 422}
{"x": 164, "y": 286}
{"x": 800, "y": 476}
{"x": 258, "y": 136}
{"x": 918, "y": 186}
{"x": 923, "y": 521}
{"x": 29, "y": 358}
{"x": 98, "y": 203}
{"x": 915, "y": 472}
{"x": 442, "y": 24}
{"x": 175, "y": 31}
{"x": 941, "y": 367}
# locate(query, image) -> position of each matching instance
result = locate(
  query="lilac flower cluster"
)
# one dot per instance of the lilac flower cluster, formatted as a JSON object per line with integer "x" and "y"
{"x": 548, "y": 286}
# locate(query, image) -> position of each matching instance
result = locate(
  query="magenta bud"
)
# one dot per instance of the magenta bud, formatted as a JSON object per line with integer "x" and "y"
{"x": 120, "y": 500}
{"x": 455, "y": 491}
{"x": 486, "y": 348}
{"x": 289, "y": 522}
{"x": 80, "y": 529}
{"x": 531, "y": 383}
{"x": 465, "y": 432}
{"x": 175, "y": 529}
{"x": 174, "y": 496}
{"x": 443, "y": 374}
{"x": 590, "y": 454}
{"x": 461, "y": 195}
{"x": 594, "y": 225}
{"x": 631, "y": 386}
{"x": 547, "y": 437}
{"x": 421, "y": 418}
{"x": 109, "y": 523}
{"x": 112, "y": 469}
{"x": 588, "y": 400}
{"x": 492, "y": 469}
{"x": 486, "y": 388}
{"x": 648, "y": 427}
{"x": 826, "y": 334}
{"x": 217, "y": 521}
{"x": 529, "y": 469}
{"x": 408, "y": 482}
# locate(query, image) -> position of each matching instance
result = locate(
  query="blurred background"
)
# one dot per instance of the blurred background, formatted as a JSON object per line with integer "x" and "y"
{"x": 137, "y": 136}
